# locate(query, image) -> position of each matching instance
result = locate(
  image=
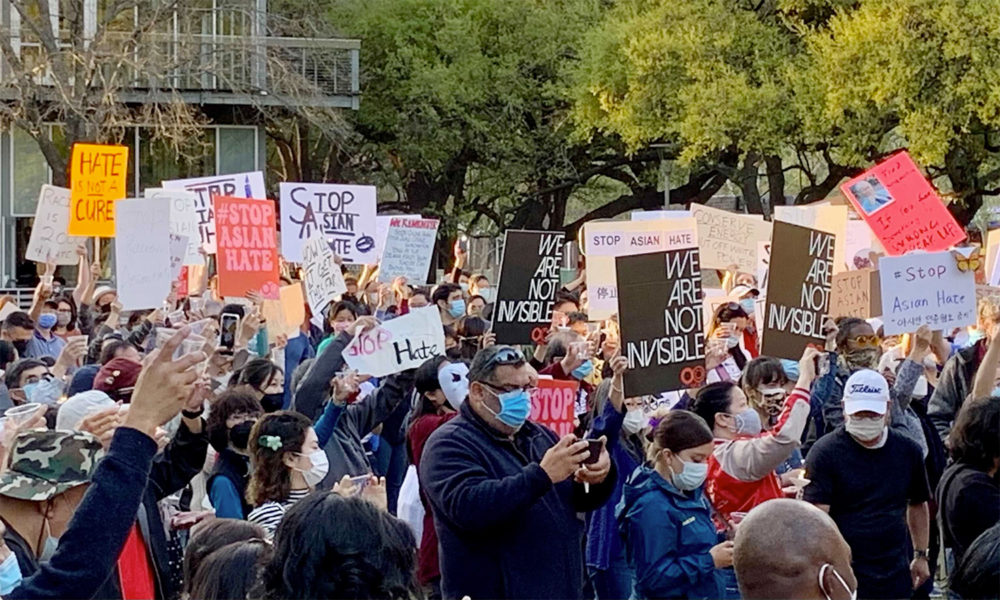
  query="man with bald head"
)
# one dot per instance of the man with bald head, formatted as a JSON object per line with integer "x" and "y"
{"x": 791, "y": 549}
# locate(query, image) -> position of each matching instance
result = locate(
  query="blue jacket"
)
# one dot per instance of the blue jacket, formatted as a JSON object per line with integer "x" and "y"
{"x": 668, "y": 535}
{"x": 504, "y": 530}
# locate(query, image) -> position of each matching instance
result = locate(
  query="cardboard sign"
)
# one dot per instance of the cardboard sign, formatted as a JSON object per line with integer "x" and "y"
{"x": 926, "y": 288}
{"x": 409, "y": 245}
{"x": 324, "y": 281}
{"x": 602, "y": 286}
{"x": 552, "y": 404}
{"x": 727, "y": 238}
{"x": 142, "y": 253}
{"x": 856, "y": 294}
{"x": 236, "y": 185}
{"x": 798, "y": 291}
{"x": 343, "y": 214}
{"x": 247, "y": 248}
{"x": 96, "y": 181}
{"x": 285, "y": 315}
{"x": 822, "y": 216}
{"x": 661, "y": 321}
{"x": 402, "y": 343}
{"x": 183, "y": 220}
{"x": 529, "y": 280}
{"x": 902, "y": 208}
{"x": 49, "y": 241}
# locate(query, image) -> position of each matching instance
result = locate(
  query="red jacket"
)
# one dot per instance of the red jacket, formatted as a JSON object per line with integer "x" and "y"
{"x": 428, "y": 567}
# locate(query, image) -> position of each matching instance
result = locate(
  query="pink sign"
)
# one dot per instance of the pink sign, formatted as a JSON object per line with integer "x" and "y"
{"x": 247, "y": 247}
{"x": 553, "y": 404}
{"x": 902, "y": 208}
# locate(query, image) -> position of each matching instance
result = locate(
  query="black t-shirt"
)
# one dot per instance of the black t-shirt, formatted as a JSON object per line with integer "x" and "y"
{"x": 868, "y": 491}
{"x": 969, "y": 502}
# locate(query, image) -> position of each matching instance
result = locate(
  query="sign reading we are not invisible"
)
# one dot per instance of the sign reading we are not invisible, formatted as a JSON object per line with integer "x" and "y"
{"x": 529, "y": 280}
{"x": 97, "y": 180}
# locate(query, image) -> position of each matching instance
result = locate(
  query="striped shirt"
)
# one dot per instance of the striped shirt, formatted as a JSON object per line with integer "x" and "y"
{"x": 269, "y": 514}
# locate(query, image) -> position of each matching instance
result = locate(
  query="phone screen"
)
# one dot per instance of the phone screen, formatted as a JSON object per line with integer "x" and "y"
{"x": 227, "y": 334}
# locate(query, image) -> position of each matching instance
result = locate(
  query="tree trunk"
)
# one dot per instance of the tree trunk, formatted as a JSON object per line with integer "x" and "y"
{"x": 775, "y": 184}
{"x": 747, "y": 182}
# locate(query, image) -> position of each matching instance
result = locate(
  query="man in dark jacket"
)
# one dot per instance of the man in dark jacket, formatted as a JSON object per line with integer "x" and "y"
{"x": 505, "y": 492}
{"x": 953, "y": 386}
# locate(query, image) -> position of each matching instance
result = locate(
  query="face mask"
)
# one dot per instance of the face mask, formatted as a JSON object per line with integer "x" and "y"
{"x": 791, "y": 368}
{"x": 272, "y": 402}
{"x": 339, "y": 326}
{"x": 747, "y": 304}
{"x": 10, "y": 575}
{"x": 975, "y": 335}
{"x": 454, "y": 353}
{"x": 865, "y": 358}
{"x": 318, "y": 470}
{"x": 515, "y": 406}
{"x": 584, "y": 370}
{"x": 464, "y": 286}
{"x": 21, "y": 346}
{"x": 63, "y": 319}
{"x": 47, "y": 321}
{"x": 691, "y": 476}
{"x": 373, "y": 299}
{"x": 864, "y": 430}
{"x": 46, "y": 391}
{"x": 456, "y": 308}
{"x": 822, "y": 570}
{"x": 747, "y": 422}
{"x": 732, "y": 342}
{"x": 634, "y": 421}
{"x": 487, "y": 294}
{"x": 239, "y": 435}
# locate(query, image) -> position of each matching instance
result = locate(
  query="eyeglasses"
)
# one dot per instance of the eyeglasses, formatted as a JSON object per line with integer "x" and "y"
{"x": 866, "y": 340}
{"x": 530, "y": 389}
{"x": 505, "y": 355}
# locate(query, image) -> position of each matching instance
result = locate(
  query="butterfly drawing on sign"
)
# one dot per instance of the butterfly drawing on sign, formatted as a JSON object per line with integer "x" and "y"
{"x": 969, "y": 258}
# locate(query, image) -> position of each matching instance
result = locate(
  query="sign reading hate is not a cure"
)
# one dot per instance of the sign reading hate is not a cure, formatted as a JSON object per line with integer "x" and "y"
{"x": 49, "y": 241}
{"x": 234, "y": 185}
{"x": 409, "y": 245}
{"x": 553, "y": 404}
{"x": 97, "y": 180}
{"x": 529, "y": 280}
{"x": 247, "y": 248}
{"x": 343, "y": 214}
{"x": 798, "y": 291}
{"x": 926, "y": 288}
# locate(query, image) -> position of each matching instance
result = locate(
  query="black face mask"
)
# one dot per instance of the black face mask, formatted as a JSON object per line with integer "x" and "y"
{"x": 453, "y": 353}
{"x": 239, "y": 435}
{"x": 272, "y": 402}
{"x": 21, "y": 346}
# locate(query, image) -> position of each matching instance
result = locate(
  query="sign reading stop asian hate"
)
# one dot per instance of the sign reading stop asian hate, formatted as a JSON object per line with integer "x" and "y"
{"x": 553, "y": 404}
{"x": 247, "y": 247}
{"x": 97, "y": 179}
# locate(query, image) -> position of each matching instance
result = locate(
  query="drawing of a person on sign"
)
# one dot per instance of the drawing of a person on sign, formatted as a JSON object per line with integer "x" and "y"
{"x": 871, "y": 195}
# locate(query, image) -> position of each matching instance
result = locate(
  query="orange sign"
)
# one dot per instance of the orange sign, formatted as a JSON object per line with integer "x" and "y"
{"x": 247, "y": 247}
{"x": 97, "y": 179}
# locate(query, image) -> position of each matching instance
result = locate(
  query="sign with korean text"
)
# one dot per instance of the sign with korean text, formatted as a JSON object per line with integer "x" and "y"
{"x": 343, "y": 214}
{"x": 529, "y": 280}
{"x": 382, "y": 230}
{"x": 553, "y": 403}
{"x": 661, "y": 320}
{"x": 409, "y": 245}
{"x": 902, "y": 208}
{"x": 798, "y": 290}
{"x": 856, "y": 294}
{"x": 926, "y": 288}
{"x": 247, "y": 247}
{"x": 235, "y": 185}
{"x": 397, "y": 345}
{"x": 324, "y": 281}
{"x": 49, "y": 241}
{"x": 96, "y": 181}
{"x": 142, "y": 253}
{"x": 727, "y": 238}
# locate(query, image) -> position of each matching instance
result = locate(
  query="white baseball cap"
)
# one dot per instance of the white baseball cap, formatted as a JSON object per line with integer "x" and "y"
{"x": 866, "y": 390}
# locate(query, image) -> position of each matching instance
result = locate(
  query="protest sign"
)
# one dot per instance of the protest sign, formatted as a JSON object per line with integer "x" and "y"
{"x": 602, "y": 287}
{"x": 178, "y": 246}
{"x": 382, "y": 230}
{"x": 236, "y": 185}
{"x": 902, "y": 208}
{"x": 96, "y": 181}
{"x": 822, "y": 216}
{"x": 247, "y": 248}
{"x": 343, "y": 214}
{"x": 409, "y": 245}
{"x": 655, "y": 215}
{"x": 926, "y": 288}
{"x": 660, "y": 317}
{"x": 324, "y": 281}
{"x": 183, "y": 220}
{"x": 142, "y": 253}
{"x": 552, "y": 404}
{"x": 860, "y": 245}
{"x": 529, "y": 280}
{"x": 402, "y": 343}
{"x": 798, "y": 291}
{"x": 49, "y": 241}
{"x": 727, "y": 238}
{"x": 856, "y": 294}
{"x": 763, "y": 263}
{"x": 285, "y": 315}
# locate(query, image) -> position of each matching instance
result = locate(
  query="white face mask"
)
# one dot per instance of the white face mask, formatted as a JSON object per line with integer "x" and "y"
{"x": 319, "y": 469}
{"x": 822, "y": 571}
{"x": 487, "y": 294}
{"x": 634, "y": 421}
{"x": 864, "y": 430}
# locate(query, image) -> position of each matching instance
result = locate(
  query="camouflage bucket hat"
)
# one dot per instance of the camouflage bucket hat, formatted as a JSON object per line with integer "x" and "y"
{"x": 46, "y": 463}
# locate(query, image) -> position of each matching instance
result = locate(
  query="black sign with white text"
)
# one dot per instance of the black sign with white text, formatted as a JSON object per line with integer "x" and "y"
{"x": 529, "y": 280}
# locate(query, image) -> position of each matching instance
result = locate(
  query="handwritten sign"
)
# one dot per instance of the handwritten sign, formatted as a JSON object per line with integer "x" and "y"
{"x": 394, "y": 346}
{"x": 856, "y": 294}
{"x": 926, "y": 288}
{"x": 529, "y": 280}
{"x": 552, "y": 404}
{"x": 382, "y": 230}
{"x": 97, "y": 180}
{"x": 727, "y": 238}
{"x": 343, "y": 214}
{"x": 660, "y": 316}
{"x": 236, "y": 185}
{"x": 183, "y": 220}
{"x": 798, "y": 291}
{"x": 859, "y": 246}
{"x": 902, "y": 208}
{"x": 409, "y": 245}
{"x": 324, "y": 281}
{"x": 178, "y": 246}
{"x": 142, "y": 253}
{"x": 49, "y": 241}
{"x": 247, "y": 248}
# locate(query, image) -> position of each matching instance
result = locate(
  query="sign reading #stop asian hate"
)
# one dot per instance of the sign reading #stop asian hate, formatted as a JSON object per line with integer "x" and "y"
{"x": 247, "y": 247}
{"x": 97, "y": 179}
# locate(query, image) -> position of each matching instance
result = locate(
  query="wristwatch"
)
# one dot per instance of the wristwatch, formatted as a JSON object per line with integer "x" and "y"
{"x": 924, "y": 554}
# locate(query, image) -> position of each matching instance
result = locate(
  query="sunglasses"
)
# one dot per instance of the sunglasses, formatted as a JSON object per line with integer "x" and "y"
{"x": 866, "y": 340}
{"x": 505, "y": 355}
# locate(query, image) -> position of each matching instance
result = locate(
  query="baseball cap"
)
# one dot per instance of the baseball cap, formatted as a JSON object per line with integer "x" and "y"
{"x": 47, "y": 462}
{"x": 866, "y": 390}
{"x": 742, "y": 290}
{"x": 118, "y": 377}
{"x": 72, "y": 411}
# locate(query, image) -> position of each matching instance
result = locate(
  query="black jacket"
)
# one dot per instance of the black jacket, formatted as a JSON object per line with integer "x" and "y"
{"x": 236, "y": 468}
{"x": 953, "y": 386}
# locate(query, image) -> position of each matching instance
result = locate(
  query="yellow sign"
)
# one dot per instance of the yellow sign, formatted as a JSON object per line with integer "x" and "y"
{"x": 97, "y": 179}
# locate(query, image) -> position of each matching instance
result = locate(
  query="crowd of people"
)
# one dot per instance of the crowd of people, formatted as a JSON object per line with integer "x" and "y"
{"x": 146, "y": 456}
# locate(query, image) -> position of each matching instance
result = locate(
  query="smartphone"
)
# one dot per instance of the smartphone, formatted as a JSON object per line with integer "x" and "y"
{"x": 360, "y": 483}
{"x": 463, "y": 243}
{"x": 227, "y": 334}
{"x": 594, "y": 447}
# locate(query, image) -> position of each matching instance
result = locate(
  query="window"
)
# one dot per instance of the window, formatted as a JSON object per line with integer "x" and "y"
{"x": 237, "y": 150}
{"x": 30, "y": 171}
{"x": 158, "y": 161}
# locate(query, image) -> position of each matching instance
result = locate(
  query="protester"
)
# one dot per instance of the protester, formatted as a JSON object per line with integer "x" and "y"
{"x": 18, "y": 329}
{"x": 211, "y": 535}
{"x": 66, "y": 317}
{"x": 726, "y": 331}
{"x": 871, "y": 480}
{"x": 475, "y": 306}
{"x": 233, "y": 416}
{"x": 489, "y": 468}
{"x": 450, "y": 302}
{"x": 263, "y": 379}
{"x": 231, "y": 572}
{"x": 977, "y": 576}
{"x": 44, "y": 341}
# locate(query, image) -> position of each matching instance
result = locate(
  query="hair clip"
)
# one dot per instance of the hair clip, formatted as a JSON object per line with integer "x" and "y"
{"x": 272, "y": 442}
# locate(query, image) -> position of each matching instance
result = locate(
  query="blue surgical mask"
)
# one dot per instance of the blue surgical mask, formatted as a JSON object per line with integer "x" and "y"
{"x": 456, "y": 308}
{"x": 487, "y": 294}
{"x": 747, "y": 304}
{"x": 47, "y": 320}
{"x": 748, "y": 422}
{"x": 691, "y": 477}
{"x": 584, "y": 370}
{"x": 46, "y": 391}
{"x": 791, "y": 368}
{"x": 515, "y": 406}
{"x": 996, "y": 392}
{"x": 10, "y": 575}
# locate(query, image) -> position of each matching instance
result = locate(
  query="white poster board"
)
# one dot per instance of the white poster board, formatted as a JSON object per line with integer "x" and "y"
{"x": 409, "y": 246}
{"x": 183, "y": 220}
{"x": 654, "y": 215}
{"x": 402, "y": 343}
{"x": 142, "y": 252}
{"x": 344, "y": 214}
{"x": 925, "y": 288}
{"x": 324, "y": 281}
{"x": 235, "y": 185}
{"x": 49, "y": 241}
{"x": 382, "y": 230}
